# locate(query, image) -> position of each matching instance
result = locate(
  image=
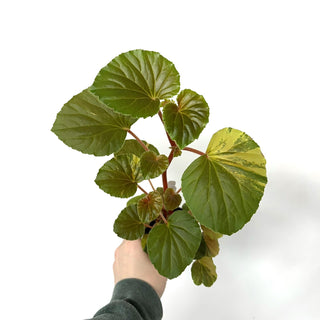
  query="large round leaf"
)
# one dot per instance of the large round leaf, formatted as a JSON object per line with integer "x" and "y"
{"x": 172, "y": 246}
{"x": 128, "y": 225}
{"x": 119, "y": 176}
{"x": 184, "y": 122}
{"x": 88, "y": 125}
{"x": 134, "y": 82}
{"x": 204, "y": 271}
{"x": 224, "y": 187}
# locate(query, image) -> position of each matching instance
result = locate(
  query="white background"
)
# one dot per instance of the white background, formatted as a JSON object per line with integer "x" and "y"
{"x": 257, "y": 63}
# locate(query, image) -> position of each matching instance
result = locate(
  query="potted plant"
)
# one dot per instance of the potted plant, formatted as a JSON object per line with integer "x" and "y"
{"x": 221, "y": 189}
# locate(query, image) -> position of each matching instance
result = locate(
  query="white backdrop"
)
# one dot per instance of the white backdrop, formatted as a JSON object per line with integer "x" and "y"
{"x": 257, "y": 65}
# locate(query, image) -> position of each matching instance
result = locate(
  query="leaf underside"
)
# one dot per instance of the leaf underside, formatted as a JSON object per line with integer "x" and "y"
{"x": 203, "y": 271}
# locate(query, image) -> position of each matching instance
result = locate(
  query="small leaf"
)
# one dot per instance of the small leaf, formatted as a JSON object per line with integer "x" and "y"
{"x": 172, "y": 246}
{"x": 149, "y": 207}
{"x": 171, "y": 199}
{"x": 204, "y": 271}
{"x": 211, "y": 241}
{"x": 127, "y": 225}
{"x": 119, "y": 176}
{"x": 184, "y": 122}
{"x": 134, "y": 82}
{"x": 135, "y": 199}
{"x": 152, "y": 165}
{"x": 203, "y": 250}
{"x": 87, "y": 125}
{"x": 224, "y": 187}
{"x": 134, "y": 147}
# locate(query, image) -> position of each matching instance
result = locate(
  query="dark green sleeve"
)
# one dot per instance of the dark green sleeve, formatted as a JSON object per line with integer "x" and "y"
{"x": 132, "y": 299}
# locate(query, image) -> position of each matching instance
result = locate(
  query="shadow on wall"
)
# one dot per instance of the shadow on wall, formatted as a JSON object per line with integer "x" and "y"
{"x": 270, "y": 269}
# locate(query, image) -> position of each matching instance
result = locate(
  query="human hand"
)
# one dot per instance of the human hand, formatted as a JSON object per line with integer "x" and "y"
{"x": 132, "y": 262}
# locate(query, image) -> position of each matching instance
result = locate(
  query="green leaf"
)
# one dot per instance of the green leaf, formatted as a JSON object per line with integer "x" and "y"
{"x": 119, "y": 176}
{"x": 184, "y": 122}
{"x": 204, "y": 271}
{"x": 211, "y": 240}
{"x": 127, "y": 225}
{"x": 87, "y": 125}
{"x": 135, "y": 199}
{"x": 149, "y": 207}
{"x": 152, "y": 165}
{"x": 223, "y": 188}
{"x": 134, "y": 82}
{"x": 171, "y": 199}
{"x": 203, "y": 250}
{"x": 134, "y": 147}
{"x": 172, "y": 246}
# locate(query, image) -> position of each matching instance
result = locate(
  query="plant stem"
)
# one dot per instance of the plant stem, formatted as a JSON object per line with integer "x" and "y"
{"x": 163, "y": 218}
{"x": 164, "y": 181}
{"x": 170, "y": 156}
{"x": 194, "y": 151}
{"x": 144, "y": 191}
{"x": 141, "y": 143}
{"x": 172, "y": 143}
{"x": 151, "y": 185}
{"x": 179, "y": 190}
{"x": 147, "y": 225}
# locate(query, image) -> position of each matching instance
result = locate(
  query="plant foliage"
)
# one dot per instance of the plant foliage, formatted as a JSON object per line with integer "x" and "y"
{"x": 222, "y": 187}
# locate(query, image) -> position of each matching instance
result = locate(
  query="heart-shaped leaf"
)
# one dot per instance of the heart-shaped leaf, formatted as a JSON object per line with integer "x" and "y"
{"x": 184, "y": 122}
{"x": 128, "y": 225}
{"x": 152, "y": 165}
{"x": 223, "y": 188}
{"x": 149, "y": 207}
{"x": 134, "y": 82}
{"x": 119, "y": 176}
{"x": 88, "y": 125}
{"x": 171, "y": 199}
{"x": 134, "y": 147}
{"x": 204, "y": 271}
{"x": 172, "y": 246}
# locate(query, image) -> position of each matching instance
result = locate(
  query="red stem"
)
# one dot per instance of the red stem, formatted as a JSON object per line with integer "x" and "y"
{"x": 144, "y": 191}
{"x": 163, "y": 218}
{"x": 141, "y": 143}
{"x": 194, "y": 151}
{"x": 164, "y": 181}
{"x": 151, "y": 185}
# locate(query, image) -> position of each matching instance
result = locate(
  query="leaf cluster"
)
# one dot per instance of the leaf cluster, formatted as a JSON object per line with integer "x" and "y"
{"x": 222, "y": 188}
